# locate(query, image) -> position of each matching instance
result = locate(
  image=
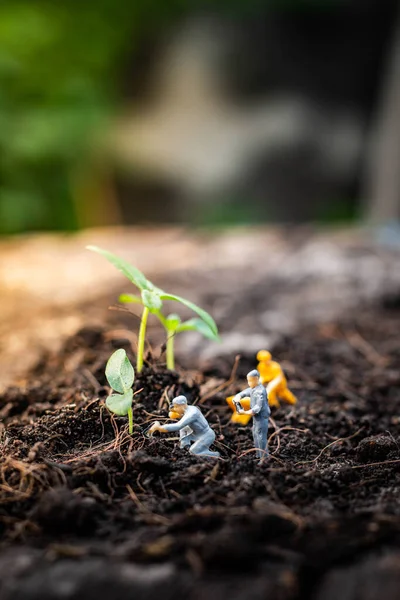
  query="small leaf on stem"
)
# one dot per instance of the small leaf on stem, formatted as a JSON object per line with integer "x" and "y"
{"x": 197, "y": 325}
{"x": 172, "y": 322}
{"x": 151, "y": 300}
{"x": 119, "y": 404}
{"x": 129, "y": 299}
{"x": 119, "y": 372}
{"x": 131, "y": 272}
{"x": 202, "y": 313}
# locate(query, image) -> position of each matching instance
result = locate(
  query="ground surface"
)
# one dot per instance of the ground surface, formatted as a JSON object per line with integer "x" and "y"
{"x": 258, "y": 283}
{"x": 88, "y": 511}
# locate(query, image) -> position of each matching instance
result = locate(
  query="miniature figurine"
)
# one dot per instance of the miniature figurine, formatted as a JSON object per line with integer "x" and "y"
{"x": 259, "y": 410}
{"x": 273, "y": 377}
{"x": 194, "y": 430}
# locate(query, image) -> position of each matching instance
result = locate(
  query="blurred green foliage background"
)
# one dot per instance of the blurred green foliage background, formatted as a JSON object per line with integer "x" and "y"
{"x": 62, "y": 64}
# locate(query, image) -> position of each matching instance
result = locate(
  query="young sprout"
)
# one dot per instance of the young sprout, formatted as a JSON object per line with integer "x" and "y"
{"x": 120, "y": 375}
{"x": 151, "y": 298}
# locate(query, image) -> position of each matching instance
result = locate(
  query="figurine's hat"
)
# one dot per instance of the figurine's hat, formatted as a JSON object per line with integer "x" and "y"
{"x": 179, "y": 400}
{"x": 253, "y": 373}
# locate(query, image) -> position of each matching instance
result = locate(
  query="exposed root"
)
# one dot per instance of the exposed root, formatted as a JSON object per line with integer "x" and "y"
{"x": 346, "y": 439}
{"x": 278, "y": 431}
{"x": 19, "y": 479}
{"x": 377, "y": 464}
{"x": 224, "y": 385}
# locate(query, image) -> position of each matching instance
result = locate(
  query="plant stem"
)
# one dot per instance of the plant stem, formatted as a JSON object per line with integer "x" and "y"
{"x": 130, "y": 417}
{"x": 170, "y": 351}
{"x": 141, "y": 339}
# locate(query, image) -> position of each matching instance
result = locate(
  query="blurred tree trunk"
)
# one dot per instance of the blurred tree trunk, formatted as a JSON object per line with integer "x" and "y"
{"x": 382, "y": 179}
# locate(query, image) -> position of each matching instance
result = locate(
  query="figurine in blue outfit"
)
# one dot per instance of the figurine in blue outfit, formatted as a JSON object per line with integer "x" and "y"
{"x": 195, "y": 432}
{"x": 259, "y": 410}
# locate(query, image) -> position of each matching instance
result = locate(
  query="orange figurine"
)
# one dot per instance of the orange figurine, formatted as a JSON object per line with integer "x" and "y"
{"x": 273, "y": 378}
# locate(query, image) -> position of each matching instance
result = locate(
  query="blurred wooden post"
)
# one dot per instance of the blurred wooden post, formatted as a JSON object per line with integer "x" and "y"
{"x": 382, "y": 179}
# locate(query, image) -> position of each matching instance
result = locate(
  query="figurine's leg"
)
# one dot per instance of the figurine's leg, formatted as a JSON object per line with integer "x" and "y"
{"x": 288, "y": 396}
{"x": 186, "y": 441}
{"x": 201, "y": 446}
{"x": 257, "y": 439}
{"x": 271, "y": 394}
{"x": 260, "y": 437}
{"x": 186, "y": 437}
{"x": 264, "y": 440}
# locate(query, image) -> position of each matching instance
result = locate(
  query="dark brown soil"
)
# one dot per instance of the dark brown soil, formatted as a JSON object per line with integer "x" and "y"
{"x": 87, "y": 511}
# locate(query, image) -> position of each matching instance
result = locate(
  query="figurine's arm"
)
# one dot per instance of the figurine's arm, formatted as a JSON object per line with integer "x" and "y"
{"x": 238, "y": 397}
{"x": 276, "y": 371}
{"x": 258, "y": 404}
{"x": 256, "y": 408}
{"x": 244, "y": 394}
{"x": 272, "y": 373}
{"x": 183, "y": 422}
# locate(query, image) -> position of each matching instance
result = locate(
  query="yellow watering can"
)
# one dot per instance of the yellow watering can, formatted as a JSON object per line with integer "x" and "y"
{"x": 236, "y": 417}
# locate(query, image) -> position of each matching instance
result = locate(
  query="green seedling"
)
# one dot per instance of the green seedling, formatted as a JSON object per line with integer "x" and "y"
{"x": 120, "y": 376}
{"x": 151, "y": 299}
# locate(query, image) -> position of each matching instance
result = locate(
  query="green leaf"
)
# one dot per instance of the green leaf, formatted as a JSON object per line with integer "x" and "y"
{"x": 156, "y": 289}
{"x": 131, "y": 272}
{"x": 172, "y": 322}
{"x": 202, "y": 313}
{"x": 197, "y": 325}
{"x": 151, "y": 300}
{"x": 120, "y": 404}
{"x": 119, "y": 371}
{"x": 129, "y": 299}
